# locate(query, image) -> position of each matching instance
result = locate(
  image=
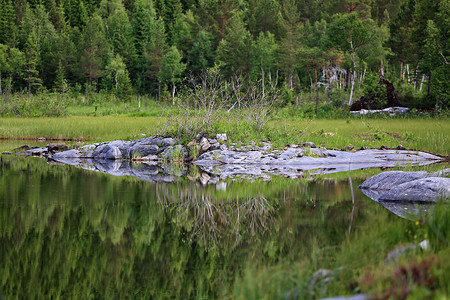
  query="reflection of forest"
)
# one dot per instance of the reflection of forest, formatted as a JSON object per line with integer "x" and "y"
{"x": 70, "y": 233}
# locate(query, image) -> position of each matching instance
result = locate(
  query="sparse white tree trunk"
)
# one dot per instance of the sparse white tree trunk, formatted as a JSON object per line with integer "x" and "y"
{"x": 350, "y": 100}
{"x": 421, "y": 82}
{"x": 173, "y": 93}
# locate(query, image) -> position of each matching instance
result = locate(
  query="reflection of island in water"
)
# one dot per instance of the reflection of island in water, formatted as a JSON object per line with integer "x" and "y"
{"x": 407, "y": 210}
{"x": 157, "y": 172}
{"x": 76, "y": 234}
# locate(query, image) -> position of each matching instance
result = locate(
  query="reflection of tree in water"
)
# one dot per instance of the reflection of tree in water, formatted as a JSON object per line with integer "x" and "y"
{"x": 211, "y": 221}
{"x": 69, "y": 232}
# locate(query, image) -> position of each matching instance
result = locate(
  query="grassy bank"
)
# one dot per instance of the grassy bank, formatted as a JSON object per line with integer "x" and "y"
{"x": 424, "y": 134}
{"x": 358, "y": 265}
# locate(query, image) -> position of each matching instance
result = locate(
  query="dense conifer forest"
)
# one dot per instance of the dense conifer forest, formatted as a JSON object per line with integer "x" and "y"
{"x": 129, "y": 47}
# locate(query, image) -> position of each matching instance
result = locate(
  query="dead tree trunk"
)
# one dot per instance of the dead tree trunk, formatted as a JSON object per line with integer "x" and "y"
{"x": 392, "y": 99}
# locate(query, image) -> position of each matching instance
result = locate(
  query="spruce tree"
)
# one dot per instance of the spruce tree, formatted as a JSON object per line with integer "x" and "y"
{"x": 94, "y": 47}
{"x": 234, "y": 50}
{"x": 32, "y": 59}
{"x": 290, "y": 43}
{"x": 8, "y": 30}
{"x": 155, "y": 51}
{"x": 201, "y": 56}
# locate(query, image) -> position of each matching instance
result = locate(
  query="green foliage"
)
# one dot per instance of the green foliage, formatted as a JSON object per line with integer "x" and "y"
{"x": 42, "y": 105}
{"x": 201, "y": 56}
{"x": 233, "y": 52}
{"x": 171, "y": 66}
{"x": 254, "y": 39}
{"x": 374, "y": 91}
{"x": 440, "y": 85}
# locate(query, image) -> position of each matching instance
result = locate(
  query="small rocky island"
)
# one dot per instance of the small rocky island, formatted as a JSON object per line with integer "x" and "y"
{"x": 219, "y": 159}
{"x": 162, "y": 159}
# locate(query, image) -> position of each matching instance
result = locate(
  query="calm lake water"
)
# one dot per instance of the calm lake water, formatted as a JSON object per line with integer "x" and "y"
{"x": 72, "y": 233}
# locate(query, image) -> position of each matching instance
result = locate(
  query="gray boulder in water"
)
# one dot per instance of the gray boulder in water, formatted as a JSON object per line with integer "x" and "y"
{"x": 420, "y": 190}
{"x": 388, "y": 180}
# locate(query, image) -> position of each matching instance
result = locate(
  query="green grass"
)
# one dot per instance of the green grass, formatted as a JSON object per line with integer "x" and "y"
{"x": 93, "y": 129}
{"x": 359, "y": 265}
{"x": 127, "y": 121}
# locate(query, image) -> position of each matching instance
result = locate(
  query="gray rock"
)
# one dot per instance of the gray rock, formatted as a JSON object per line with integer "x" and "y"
{"x": 309, "y": 144}
{"x": 388, "y": 180}
{"x": 221, "y": 137}
{"x": 353, "y": 297}
{"x": 67, "y": 154}
{"x": 409, "y": 211}
{"x": 174, "y": 153}
{"x": 441, "y": 173}
{"x": 57, "y": 147}
{"x": 421, "y": 190}
{"x": 113, "y": 150}
{"x": 403, "y": 250}
{"x": 151, "y": 158}
{"x": 215, "y": 146}
{"x": 168, "y": 142}
{"x": 37, "y": 151}
{"x": 152, "y": 140}
{"x": 204, "y": 143}
{"x": 141, "y": 150}
{"x": 111, "y": 153}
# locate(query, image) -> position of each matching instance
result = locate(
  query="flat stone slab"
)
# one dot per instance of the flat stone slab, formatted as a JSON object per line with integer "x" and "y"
{"x": 296, "y": 156}
{"x": 293, "y": 161}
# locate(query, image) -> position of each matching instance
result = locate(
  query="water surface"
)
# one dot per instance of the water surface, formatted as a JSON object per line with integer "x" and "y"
{"x": 73, "y": 233}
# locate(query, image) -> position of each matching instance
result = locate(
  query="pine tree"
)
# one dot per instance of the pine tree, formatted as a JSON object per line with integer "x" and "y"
{"x": 155, "y": 51}
{"x": 61, "y": 84}
{"x": 234, "y": 50}
{"x": 350, "y": 34}
{"x": 94, "y": 47}
{"x": 265, "y": 16}
{"x": 120, "y": 35}
{"x": 290, "y": 44}
{"x": 201, "y": 56}
{"x": 143, "y": 22}
{"x": 214, "y": 15}
{"x": 185, "y": 31}
{"x": 3, "y": 66}
{"x": 32, "y": 60}
{"x": 400, "y": 37}
{"x": 8, "y": 30}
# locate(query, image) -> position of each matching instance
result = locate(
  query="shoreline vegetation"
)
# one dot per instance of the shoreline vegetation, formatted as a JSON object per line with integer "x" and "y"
{"x": 420, "y": 133}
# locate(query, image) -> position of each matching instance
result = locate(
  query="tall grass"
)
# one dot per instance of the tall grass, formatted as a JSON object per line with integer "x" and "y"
{"x": 358, "y": 265}
{"x": 107, "y": 120}
{"x": 94, "y": 129}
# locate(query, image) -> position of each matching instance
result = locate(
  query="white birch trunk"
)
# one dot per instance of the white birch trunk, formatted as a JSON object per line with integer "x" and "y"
{"x": 421, "y": 82}
{"x": 173, "y": 93}
{"x": 350, "y": 100}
